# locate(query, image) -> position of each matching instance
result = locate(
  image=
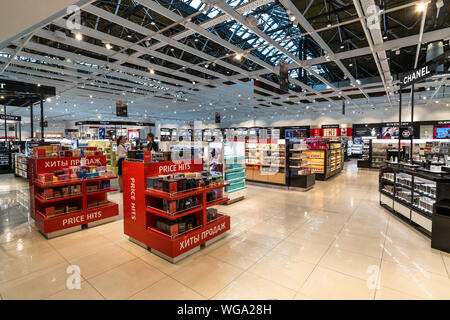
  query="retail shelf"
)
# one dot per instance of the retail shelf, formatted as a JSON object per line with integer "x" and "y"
{"x": 180, "y": 195}
{"x": 173, "y": 216}
{"x": 235, "y": 190}
{"x": 101, "y": 191}
{"x": 236, "y": 169}
{"x": 57, "y": 184}
{"x": 50, "y": 200}
{"x": 216, "y": 202}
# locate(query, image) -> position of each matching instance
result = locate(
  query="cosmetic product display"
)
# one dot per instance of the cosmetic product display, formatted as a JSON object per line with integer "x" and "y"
{"x": 68, "y": 194}
{"x": 167, "y": 206}
{"x": 300, "y": 175}
{"x": 421, "y": 197}
{"x": 323, "y": 157}
{"x": 266, "y": 161}
{"x": 235, "y": 170}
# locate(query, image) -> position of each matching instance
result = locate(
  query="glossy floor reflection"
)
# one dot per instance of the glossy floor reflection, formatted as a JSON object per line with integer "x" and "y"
{"x": 333, "y": 242}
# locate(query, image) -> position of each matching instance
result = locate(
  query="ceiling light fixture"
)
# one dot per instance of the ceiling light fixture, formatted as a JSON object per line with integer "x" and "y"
{"x": 421, "y": 7}
{"x": 152, "y": 71}
{"x": 238, "y": 56}
{"x": 108, "y": 46}
{"x": 78, "y": 36}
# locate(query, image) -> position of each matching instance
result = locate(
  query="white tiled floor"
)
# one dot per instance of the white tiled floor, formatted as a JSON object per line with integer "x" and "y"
{"x": 332, "y": 242}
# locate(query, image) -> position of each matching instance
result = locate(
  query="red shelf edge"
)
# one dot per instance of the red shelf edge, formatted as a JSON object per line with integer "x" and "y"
{"x": 101, "y": 191}
{"x": 164, "y": 214}
{"x": 168, "y": 196}
{"x": 217, "y": 202}
{"x": 43, "y": 200}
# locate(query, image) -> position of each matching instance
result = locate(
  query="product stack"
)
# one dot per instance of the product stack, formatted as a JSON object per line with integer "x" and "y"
{"x": 323, "y": 157}
{"x": 167, "y": 206}
{"x": 414, "y": 194}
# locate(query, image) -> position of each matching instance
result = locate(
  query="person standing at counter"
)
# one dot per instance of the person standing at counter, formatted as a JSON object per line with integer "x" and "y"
{"x": 121, "y": 155}
{"x": 151, "y": 144}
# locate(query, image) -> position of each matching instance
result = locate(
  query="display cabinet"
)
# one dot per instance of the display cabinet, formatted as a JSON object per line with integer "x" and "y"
{"x": 21, "y": 165}
{"x": 64, "y": 206}
{"x": 161, "y": 219}
{"x": 299, "y": 175}
{"x": 420, "y": 197}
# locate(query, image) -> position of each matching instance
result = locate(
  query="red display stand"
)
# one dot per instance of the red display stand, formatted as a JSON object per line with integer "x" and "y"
{"x": 85, "y": 216}
{"x": 140, "y": 216}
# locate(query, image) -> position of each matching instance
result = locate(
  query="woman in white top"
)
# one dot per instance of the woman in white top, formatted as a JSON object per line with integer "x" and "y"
{"x": 121, "y": 155}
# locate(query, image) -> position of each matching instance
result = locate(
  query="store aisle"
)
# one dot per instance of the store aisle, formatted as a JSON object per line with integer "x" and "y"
{"x": 332, "y": 242}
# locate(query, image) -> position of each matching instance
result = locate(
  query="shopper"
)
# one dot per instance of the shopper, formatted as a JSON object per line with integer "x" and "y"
{"x": 151, "y": 144}
{"x": 121, "y": 155}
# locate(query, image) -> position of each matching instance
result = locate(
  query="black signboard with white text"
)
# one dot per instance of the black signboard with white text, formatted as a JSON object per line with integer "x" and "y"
{"x": 10, "y": 117}
{"x": 417, "y": 75}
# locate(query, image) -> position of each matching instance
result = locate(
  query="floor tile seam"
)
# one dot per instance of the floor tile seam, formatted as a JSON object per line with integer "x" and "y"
{"x": 255, "y": 275}
{"x": 445, "y": 265}
{"x": 279, "y": 284}
{"x": 109, "y": 268}
{"x": 98, "y": 275}
{"x": 315, "y": 267}
{"x": 169, "y": 276}
{"x": 220, "y": 290}
{"x": 388, "y": 286}
{"x": 152, "y": 284}
{"x": 31, "y": 273}
{"x": 253, "y": 262}
{"x": 420, "y": 270}
{"x": 95, "y": 288}
{"x": 400, "y": 292}
{"x": 411, "y": 266}
{"x": 382, "y": 255}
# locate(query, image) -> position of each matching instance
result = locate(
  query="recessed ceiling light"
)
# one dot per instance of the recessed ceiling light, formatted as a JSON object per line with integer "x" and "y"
{"x": 342, "y": 47}
{"x": 350, "y": 65}
{"x": 421, "y": 7}
{"x": 152, "y": 23}
{"x": 78, "y": 36}
{"x": 238, "y": 56}
{"x": 108, "y": 46}
{"x": 152, "y": 71}
{"x": 129, "y": 36}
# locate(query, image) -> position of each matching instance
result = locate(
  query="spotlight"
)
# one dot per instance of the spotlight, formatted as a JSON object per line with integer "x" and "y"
{"x": 78, "y": 36}
{"x": 152, "y": 71}
{"x": 108, "y": 46}
{"x": 238, "y": 56}
{"x": 421, "y": 7}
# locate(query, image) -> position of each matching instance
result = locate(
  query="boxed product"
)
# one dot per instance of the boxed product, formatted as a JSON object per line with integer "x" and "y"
{"x": 65, "y": 191}
{"x": 91, "y": 188}
{"x": 211, "y": 214}
{"x": 76, "y": 153}
{"x": 170, "y": 186}
{"x": 50, "y": 211}
{"x": 47, "y": 193}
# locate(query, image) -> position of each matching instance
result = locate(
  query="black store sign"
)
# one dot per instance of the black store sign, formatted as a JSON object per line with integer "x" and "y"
{"x": 10, "y": 117}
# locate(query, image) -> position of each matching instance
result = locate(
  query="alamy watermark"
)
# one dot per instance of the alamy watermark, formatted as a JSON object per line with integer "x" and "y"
{"x": 73, "y": 281}
{"x": 74, "y": 20}
{"x": 373, "y": 17}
